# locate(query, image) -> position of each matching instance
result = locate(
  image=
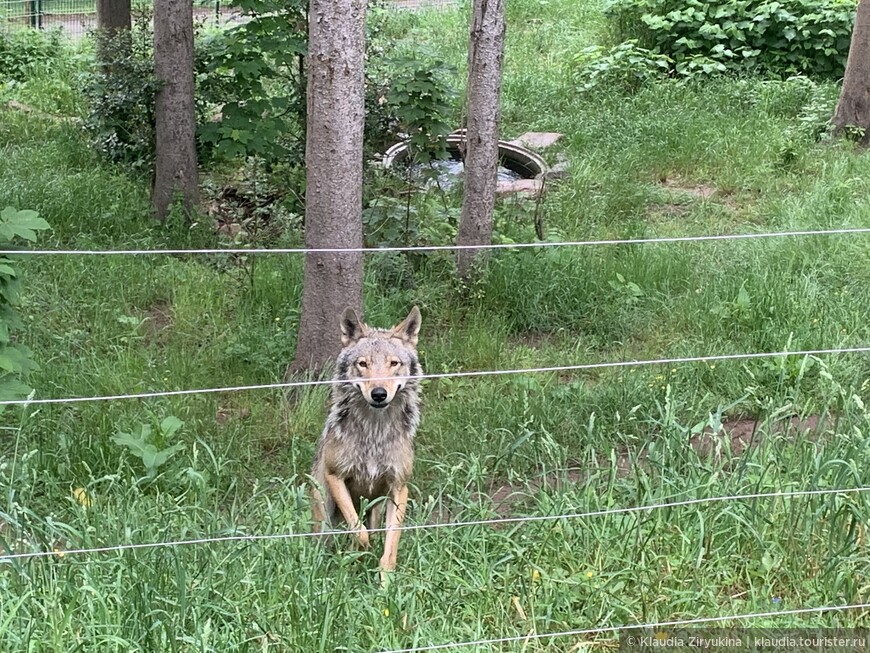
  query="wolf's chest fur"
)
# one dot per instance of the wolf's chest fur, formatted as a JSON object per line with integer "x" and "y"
{"x": 372, "y": 448}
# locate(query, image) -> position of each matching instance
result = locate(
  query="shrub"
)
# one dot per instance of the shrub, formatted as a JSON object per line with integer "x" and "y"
{"x": 772, "y": 37}
{"x": 625, "y": 66}
{"x": 413, "y": 100}
{"x": 409, "y": 94}
{"x": 121, "y": 92}
{"x": 254, "y": 72}
{"x": 21, "y": 51}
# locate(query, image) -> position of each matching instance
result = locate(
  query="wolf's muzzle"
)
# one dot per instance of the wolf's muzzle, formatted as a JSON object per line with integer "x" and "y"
{"x": 379, "y": 397}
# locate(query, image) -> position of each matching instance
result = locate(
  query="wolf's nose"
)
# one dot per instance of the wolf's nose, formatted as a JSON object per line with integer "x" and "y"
{"x": 379, "y": 394}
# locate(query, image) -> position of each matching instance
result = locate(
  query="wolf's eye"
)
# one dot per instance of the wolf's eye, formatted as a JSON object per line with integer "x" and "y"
{"x": 362, "y": 363}
{"x": 394, "y": 363}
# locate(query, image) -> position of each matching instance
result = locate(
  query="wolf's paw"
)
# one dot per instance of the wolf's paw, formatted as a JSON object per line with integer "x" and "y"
{"x": 362, "y": 536}
{"x": 386, "y": 566}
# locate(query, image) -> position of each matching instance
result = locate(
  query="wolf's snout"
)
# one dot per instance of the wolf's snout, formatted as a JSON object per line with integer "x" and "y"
{"x": 379, "y": 395}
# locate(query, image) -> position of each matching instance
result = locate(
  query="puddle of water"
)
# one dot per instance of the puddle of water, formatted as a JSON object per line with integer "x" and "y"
{"x": 448, "y": 171}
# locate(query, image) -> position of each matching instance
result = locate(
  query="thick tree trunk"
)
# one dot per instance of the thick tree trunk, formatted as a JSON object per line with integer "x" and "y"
{"x": 853, "y": 108}
{"x": 113, "y": 15}
{"x": 334, "y": 164}
{"x": 485, "y": 57}
{"x": 176, "y": 170}
{"x": 114, "y": 22}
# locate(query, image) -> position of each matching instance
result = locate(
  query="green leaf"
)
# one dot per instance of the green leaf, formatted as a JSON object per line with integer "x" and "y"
{"x": 135, "y": 443}
{"x": 170, "y": 425}
{"x": 11, "y": 388}
{"x": 153, "y": 459}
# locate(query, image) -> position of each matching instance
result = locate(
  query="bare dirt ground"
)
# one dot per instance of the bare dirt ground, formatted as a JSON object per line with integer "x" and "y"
{"x": 732, "y": 440}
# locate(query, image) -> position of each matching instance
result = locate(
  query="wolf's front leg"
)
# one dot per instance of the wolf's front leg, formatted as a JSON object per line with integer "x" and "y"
{"x": 318, "y": 512}
{"x": 341, "y": 495}
{"x": 396, "y": 506}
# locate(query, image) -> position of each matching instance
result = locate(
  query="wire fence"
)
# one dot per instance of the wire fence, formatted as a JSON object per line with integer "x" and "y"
{"x": 442, "y": 375}
{"x": 435, "y": 248}
{"x": 602, "y": 630}
{"x": 500, "y": 521}
{"x": 75, "y": 18}
{"x": 21, "y": 556}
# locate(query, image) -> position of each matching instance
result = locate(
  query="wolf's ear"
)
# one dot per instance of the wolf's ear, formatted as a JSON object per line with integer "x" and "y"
{"x": 409, "y": 328}
{"x": 351, "y": 327}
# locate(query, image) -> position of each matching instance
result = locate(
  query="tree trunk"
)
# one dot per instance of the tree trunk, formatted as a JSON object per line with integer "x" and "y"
{"x": 853, "y": 108}
{"x": 113, "y": 15}
{"x": 485, "y": 57}
{"x": 175, "y": 115}
{"x": 334, "y": 165}
{"x": 114, "y": 23}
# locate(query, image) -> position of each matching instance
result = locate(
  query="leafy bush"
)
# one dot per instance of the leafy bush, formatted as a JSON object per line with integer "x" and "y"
{"x": 247, "y": 99}
{"x": 254, "y": 73}
{"x": 625, "y": 66}
{"x": 21, "y": 51}
{"x": 15, "y": 359}
{"x": 398, "y": 222}
{"x": 121, "y": 92}
{"x": 413, "y": 101}
{"x": 772, "y": 37}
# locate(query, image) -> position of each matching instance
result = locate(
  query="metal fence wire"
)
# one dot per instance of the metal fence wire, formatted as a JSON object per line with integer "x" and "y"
{"x": 74, "y": 18}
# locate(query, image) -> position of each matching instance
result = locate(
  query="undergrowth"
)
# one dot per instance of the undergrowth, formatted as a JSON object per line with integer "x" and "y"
{"x": 723, "y": 156}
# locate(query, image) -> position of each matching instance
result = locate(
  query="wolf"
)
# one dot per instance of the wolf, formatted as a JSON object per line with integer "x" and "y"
{"x": 366, "y": 450}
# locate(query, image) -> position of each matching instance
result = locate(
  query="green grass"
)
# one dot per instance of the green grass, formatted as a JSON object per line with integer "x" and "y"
{"x": 733, "y": 158}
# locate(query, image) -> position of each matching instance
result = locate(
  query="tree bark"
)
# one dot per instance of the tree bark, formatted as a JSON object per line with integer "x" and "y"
{"x": 853, "y": 108}
{"x": 114, "y": 23}
{"x": 485, "y": 58}
{"x": 175, "y": 114}
{"x": 334, "y": 168}
{"x": 113, "y": 15}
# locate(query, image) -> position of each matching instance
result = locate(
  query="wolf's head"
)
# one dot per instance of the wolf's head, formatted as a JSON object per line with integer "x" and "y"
{"x": 375, "y": 360}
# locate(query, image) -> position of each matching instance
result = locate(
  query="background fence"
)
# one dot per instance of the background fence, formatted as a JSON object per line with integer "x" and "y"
{"x": 75, "y": 17}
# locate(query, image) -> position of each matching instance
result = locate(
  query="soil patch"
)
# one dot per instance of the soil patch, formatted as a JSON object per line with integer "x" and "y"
{"x": 158, "y": 320}
{"x": 534, "y": 339}
{"x": 698, "y": 191}
{"x": 735, "y": 438}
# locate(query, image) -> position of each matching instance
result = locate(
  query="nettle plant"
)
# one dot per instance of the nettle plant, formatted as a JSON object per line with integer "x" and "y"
{"x": 778, "y": 38}
{"x": 421, "y": 100}
{"x": 255, "y": 72}
{"x": 625, "y": 66}
{"x": 417, "y": 101}
{"x": 15, "y": 359}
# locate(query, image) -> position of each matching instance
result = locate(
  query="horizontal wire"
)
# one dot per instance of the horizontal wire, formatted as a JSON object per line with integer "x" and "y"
{"x": 429, "y": 248}
{"x": 442, "y": 375}
{"x": 437, "y": 525}
{"x": 617, "y": 629}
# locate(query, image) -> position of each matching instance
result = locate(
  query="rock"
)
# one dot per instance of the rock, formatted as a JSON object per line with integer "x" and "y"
{"x": 558, "y": 171}
{"x": 531, "y": 187}
{"x": 537, "y": 140}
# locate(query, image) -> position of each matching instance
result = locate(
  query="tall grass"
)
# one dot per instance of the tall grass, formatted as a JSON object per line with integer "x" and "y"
{"x": 673, "y": 159}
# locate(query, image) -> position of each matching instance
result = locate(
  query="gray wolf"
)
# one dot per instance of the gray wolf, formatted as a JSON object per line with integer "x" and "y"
{"x": 366, "y": 450}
